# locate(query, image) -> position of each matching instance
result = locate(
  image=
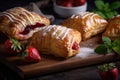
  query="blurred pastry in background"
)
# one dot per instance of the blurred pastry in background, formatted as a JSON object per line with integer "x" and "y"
{"x": 113, "y": 29}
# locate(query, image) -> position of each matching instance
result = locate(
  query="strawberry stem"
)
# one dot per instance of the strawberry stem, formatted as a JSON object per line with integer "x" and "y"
{"x": 17, "y": 46}
{"x": 23, "y": 54}
{"x": 106, "y": 67}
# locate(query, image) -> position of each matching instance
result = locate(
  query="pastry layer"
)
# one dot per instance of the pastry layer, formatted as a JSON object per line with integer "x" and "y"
{"x": 113, "y": 29}
{"x": 88, "y": 23}
{"x": 21, "y": 23}
{"x": 57, "y": 40}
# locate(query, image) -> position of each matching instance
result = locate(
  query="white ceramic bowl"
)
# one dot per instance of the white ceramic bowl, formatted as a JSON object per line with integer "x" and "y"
{"x": 66, "y": 12}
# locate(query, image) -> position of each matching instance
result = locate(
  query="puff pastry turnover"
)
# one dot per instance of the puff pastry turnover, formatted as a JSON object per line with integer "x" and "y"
{"x": 88, "y": 23}
{"x": 113, "y": 29}
{"x": 57, "y": 40}
{"x": 20, "y": 23}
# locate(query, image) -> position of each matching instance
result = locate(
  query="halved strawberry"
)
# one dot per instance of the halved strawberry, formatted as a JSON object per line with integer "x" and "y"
{"x": 13, "y": 46}
{"x": 31, "y": 54}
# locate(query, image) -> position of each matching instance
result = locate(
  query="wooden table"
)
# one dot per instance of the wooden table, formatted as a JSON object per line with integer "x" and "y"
{"x": 50, "y": 64}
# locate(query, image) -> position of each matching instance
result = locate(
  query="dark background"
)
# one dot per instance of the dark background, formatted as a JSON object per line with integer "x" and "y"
{"x": 5, "y": 72}
{"x": 6, "y": 4}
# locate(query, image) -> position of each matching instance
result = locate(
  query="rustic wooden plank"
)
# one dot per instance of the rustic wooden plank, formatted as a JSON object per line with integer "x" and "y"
{"x": 50, "y": 64}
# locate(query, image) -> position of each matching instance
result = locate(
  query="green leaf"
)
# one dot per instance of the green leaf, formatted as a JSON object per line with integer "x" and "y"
{"x": 105, "y": 10}
{"x": 116, "y": 42}
{"x": 99, "y": 4}
{"x": 107, "y": 7}
{"x": 100, "y": 13}
{"x": 116, "y": 46}
{"x": 115, "y": 13}
{"x": 106, "y": 40}
{"x": 117, "y": 49}
{"x": 109, "y": 15}
{"x": 101, "y": 49}
{"x": 104, "y": 48}
{"x": 115, "y": 5}
{"x": 109, "y": 49}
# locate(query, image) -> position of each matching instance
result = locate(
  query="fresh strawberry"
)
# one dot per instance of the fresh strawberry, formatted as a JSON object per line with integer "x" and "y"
{"x": 13, "y": 46}
{"x": 79, "y": 2}
{"x": 108, "y": 71}
{"x": 31, "y": 54}
{"x": 65, "y": 3}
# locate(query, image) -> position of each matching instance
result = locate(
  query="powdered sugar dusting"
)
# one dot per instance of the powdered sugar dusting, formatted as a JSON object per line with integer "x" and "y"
{"x": 85, "y": 52}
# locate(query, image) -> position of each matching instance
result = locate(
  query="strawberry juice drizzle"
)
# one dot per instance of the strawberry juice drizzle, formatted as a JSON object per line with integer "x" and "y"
{"x": 31, "y": 27}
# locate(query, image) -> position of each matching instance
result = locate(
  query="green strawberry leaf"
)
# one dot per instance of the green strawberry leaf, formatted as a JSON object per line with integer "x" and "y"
{"x": 16, "y": 46}
{"x": 101, "y": 49}
{"x": 106, "y": 66}
{"x": 23, "y": 54}
{"x": 116, "y": 49}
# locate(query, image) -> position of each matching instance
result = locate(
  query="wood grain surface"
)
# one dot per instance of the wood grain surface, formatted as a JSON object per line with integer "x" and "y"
{"x": 50, "y": 64}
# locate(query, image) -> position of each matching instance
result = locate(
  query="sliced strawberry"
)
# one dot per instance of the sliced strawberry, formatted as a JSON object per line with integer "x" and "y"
{"x": 31, "y": 54}
{"x": 13, "y": 46}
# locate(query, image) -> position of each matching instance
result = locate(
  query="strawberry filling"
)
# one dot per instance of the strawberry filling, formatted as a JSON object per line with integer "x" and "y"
{"x": 31, "y": 27}
{"x": 75, "y": 46}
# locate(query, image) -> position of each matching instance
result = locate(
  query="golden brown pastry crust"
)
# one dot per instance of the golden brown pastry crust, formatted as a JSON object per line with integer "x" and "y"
{"x": 88, "y": 23}
{"x": 15, "y": 20}
{"x": 113, "y": 29}
{"x": 57, "y": 40}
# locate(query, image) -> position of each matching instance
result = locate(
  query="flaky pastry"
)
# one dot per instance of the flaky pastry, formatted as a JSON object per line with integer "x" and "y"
{"x": 21, "y": 23}
{"x": 88, "y": 23}
{"x": 113, "y": 29}
{"x": 57, "y": 40}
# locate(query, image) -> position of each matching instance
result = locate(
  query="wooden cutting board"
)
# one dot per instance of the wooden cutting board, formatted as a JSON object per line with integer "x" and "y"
{"x": 50, "y": 64}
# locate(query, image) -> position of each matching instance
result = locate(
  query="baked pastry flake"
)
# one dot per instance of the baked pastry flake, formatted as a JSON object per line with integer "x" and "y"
{"x": 57, "y": 40}
{"x": 21, "y": 23}
{"x": 88, "y": 23}
{"x": 113, "y": 29}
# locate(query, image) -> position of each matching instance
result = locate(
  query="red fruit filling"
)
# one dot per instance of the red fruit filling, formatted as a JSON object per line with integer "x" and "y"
{"x": 70, "y": 3}
{"x": 31, "y": 27}
{"x": 75, "y": 46}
